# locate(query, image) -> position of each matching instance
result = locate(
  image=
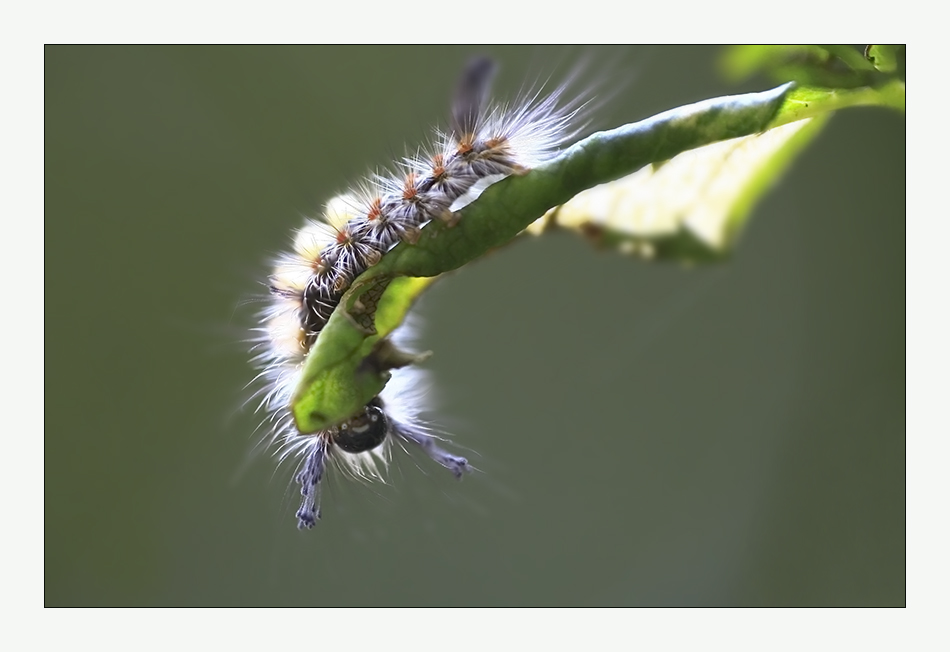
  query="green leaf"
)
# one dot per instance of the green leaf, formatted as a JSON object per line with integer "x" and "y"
{"x": 849, "y": 56}
{"x": 690, "y": 209}
{"x": 886, "y": 58}
{"x": 740, "y": 62}
{"x": 826, "y": 66}
{"x": 811, "y": 65}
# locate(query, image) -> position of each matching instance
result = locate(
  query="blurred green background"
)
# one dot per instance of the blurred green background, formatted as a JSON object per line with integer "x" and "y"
{"x": 646, "y": 434}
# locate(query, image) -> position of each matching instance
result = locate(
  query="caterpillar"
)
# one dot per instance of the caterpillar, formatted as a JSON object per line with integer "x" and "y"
{"x": 486, "y": 141}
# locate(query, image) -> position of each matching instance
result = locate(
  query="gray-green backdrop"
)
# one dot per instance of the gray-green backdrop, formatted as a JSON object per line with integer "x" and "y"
{"x": 645, "y": 434}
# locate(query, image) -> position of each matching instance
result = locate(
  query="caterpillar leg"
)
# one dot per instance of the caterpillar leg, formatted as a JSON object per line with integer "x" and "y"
{"x": 309, "y": 479}
{"x": 429, "y": 444}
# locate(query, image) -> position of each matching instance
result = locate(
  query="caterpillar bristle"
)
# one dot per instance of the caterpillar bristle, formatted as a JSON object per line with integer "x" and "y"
{"x": 486, "y": 142}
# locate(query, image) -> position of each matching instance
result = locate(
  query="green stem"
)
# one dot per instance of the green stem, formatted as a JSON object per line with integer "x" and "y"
{"x": 345, "y": 369}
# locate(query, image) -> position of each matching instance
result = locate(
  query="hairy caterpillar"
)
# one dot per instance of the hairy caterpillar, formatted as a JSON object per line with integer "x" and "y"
{"x": 486, "y": 141}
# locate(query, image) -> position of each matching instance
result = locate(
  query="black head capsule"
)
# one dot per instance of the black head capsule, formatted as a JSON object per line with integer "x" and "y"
{"x": 363, "y": 432}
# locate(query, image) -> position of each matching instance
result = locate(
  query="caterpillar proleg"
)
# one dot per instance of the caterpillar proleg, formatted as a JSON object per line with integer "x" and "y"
{"x": 485, "y": 141}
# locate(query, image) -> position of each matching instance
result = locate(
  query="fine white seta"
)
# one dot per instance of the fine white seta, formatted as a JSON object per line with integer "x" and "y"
{"x": 486, "y": 141}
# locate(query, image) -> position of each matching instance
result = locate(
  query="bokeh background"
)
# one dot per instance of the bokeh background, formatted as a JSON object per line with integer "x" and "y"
{"x": 646, "y": 434}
